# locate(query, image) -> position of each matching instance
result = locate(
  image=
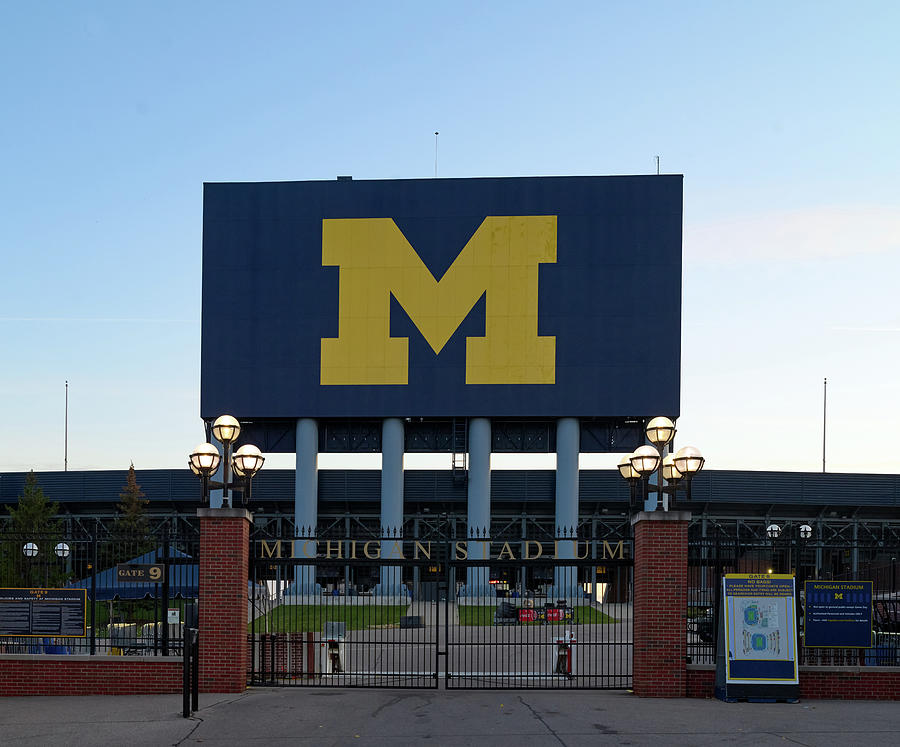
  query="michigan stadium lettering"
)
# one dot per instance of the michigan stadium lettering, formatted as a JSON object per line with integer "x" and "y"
{"x": 499, "y": 262}
{"x": 351, "y": 549}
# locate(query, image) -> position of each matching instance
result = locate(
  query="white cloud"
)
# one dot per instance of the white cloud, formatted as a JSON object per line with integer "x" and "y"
{"x": 811, "y": 233}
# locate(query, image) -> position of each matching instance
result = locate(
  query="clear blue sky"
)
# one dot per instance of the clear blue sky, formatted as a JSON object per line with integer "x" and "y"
{"x": 783, "y": 117}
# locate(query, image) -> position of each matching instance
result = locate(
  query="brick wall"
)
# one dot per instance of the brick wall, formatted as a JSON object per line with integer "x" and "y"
{"x": 660, "y": 603}
{"x": 223, "y": 571}
{"x": 224, "y": 557}
{"x": 823, "y": 683}
{"x": 701, "y": 681}
{"x": 89, "y": 675}
{"x": 850, "y": 683}
{"x": 285, "y": 655}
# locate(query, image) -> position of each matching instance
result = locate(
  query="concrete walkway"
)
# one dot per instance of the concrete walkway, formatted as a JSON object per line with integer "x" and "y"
{"x": 412, "y": 717}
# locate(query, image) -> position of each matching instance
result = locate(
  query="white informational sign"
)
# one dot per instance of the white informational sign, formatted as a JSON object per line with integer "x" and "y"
{"x": 760, "y": 628}
{"x": 174, "y": 616}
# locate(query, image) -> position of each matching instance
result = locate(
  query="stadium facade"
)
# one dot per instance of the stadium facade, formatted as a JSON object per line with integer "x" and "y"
{"x": 466, "y": 317}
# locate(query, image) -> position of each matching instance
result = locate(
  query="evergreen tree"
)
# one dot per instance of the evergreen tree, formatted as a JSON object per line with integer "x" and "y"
{"x": 130, "y": 535}
{"x": 132, "y": 520}
{"x": 34, "y": 515}
{"x": 33, "y": 520}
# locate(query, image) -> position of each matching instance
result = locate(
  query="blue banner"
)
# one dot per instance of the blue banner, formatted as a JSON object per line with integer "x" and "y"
{"x": 838, "y": 614}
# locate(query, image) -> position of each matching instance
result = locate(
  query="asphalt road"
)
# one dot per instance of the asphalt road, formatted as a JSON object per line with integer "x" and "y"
{"x": 286, "y": 716}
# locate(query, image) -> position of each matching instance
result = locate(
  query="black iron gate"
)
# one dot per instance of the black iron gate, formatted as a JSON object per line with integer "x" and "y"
{"x": 574, "y": 635}
{"x": 407, "y": 613}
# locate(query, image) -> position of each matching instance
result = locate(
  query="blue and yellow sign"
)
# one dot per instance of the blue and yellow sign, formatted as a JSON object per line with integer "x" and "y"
{"x": 495, "y": 297}
{"x": 838, "y": 614}
{"x": 760, "y": 628}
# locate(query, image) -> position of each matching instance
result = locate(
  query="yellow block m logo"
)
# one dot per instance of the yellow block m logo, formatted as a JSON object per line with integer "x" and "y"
{"x": 500, "y": 261}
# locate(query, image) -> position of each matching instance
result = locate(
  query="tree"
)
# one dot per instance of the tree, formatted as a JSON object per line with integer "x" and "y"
{"x": 34, "y": 514}
{"x": 131, "y": 529}
{"x": 132, "y": 520}
{"x": 130, "y": 533}
{"x": 33, "y": 520}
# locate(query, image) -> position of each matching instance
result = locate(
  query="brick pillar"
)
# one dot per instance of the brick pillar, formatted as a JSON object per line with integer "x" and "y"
{"x": 224, "y": 556}
{"x": 660, "y": 603}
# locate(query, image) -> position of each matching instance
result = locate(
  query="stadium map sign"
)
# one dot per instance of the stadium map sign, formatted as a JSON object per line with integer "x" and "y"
{"x": 760, "y": 637}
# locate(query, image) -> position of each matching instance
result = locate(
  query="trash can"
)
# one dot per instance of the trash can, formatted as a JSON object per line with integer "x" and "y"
{"x": 562, "y": 662}
{"x": 506, "y": 614}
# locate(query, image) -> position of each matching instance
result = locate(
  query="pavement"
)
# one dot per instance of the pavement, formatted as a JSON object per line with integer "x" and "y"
{"x": 297, "y": 716}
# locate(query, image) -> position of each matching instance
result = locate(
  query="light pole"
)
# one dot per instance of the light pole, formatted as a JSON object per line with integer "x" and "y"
{"x": 677, "y": 470}
{"x": 773, "y": 532}
{"x": 805, "y": 533}
{"x": 30, "y": 550}
{"x": 245, "y": 462}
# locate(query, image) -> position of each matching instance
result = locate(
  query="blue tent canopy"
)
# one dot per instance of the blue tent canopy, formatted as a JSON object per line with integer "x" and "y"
{"x": 183, "y": 580}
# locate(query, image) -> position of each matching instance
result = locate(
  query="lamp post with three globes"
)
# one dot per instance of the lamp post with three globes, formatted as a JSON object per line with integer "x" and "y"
{"x": 678, "y": 469}
{"x": 244, "y": 463}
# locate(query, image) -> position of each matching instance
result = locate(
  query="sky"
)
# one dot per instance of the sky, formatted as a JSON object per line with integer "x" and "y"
{"x": 783, "y": 118}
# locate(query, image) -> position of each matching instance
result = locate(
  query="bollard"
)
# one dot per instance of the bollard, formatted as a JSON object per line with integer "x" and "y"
{"x": 186, "y": 674}
{"x": 190, "y": 689}
{"x": 195, "y": 669}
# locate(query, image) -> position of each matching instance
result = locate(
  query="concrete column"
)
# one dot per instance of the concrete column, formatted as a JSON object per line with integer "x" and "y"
{"x": 222, "y": 576}
{"x": 417, "y": 572}
{"x": 348, "y": 581}
{"x": 306, "y": 478}
{"x": 660, "y": 603}
{"x": 479, "y": 508}
{"x": 306, "y": 503}
{"x": 565, "y": 579}
{"x": 392, "y": 447}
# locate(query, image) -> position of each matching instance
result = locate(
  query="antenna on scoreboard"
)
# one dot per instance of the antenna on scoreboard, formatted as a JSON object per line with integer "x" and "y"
{"x": 657, "y": 165}
{"x": 824, "y": 418}
{"x": 435, "y": 153}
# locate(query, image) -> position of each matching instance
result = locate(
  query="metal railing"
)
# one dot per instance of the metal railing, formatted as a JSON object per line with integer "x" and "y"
{"x": 331, "y": 612}
{"x": 105, "y": 614}
{"x": 709, "y": 559}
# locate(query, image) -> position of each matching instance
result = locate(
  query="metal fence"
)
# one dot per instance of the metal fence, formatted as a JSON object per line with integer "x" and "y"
{"x": 709, "y": 559}
{"x": 315, "y": 631}
{"x": 401, "y": 613}
{"x": 120, "y": 617}
{"x": 542, "y": 641}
